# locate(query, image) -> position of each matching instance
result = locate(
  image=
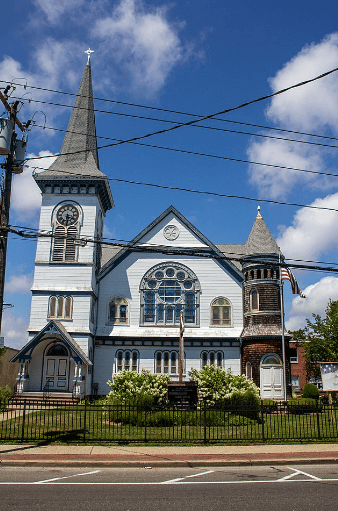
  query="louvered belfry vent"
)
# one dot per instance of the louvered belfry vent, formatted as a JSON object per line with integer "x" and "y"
{"x": 64, "y": 248}
{"x": 70, "y": 251}
{"x": 59, "y": 243}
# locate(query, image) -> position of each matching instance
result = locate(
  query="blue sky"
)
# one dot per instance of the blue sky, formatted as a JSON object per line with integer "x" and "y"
{"x": 198, "y": 57}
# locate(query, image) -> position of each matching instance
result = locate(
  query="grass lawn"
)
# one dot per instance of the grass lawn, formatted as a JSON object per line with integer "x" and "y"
{"x": 97, "y": 424}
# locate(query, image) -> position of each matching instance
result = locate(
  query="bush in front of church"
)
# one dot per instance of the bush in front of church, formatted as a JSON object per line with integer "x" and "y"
{"x": 217, "y": 386}
{"x": 144, "y": 388}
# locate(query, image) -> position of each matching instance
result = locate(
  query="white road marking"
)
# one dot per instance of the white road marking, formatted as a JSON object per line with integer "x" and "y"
{"x": 186, "y": 477}
{"x": 265, "y": 481}
{"x": 65, "y": 477}
{"x": 296, "y": 473}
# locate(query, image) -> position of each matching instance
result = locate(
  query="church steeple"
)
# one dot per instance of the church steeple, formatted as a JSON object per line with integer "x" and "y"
{"x": 78, "y": 158}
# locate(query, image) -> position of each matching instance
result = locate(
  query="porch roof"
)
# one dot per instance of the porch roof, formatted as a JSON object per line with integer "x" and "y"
{"x": 53, "y": 327}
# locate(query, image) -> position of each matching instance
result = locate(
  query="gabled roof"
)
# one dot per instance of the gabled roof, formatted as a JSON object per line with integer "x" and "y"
{"x": 209, "y": 248}
{"x": 260, "y": 240}
{"x": 52, "y": 327}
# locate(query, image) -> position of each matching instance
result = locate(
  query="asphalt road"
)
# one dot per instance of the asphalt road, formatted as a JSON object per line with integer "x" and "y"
{"x": 294, "y": 488}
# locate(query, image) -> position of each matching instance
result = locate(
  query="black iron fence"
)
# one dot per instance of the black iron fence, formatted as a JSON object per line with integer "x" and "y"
{"x": 44, "y": 421}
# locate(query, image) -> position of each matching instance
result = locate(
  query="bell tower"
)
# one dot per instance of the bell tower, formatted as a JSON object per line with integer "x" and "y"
{"x": 75, "y": 198}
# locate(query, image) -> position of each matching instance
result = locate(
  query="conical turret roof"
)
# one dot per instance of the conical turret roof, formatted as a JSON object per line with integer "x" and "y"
{"x": 260, "y": 240}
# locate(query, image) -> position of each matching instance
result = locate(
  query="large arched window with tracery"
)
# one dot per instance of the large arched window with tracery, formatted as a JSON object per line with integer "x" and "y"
{"x": 166, "y": 290}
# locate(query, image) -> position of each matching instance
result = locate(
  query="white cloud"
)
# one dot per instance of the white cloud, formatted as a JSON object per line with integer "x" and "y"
{"x": 54, "y": 9}
{"x": 317, "y": 298}
{"x": 19, "y": 284}
{"x": 142, "y": 40}
{"x": 313, "y": 232}
{"x": 26, "y": 195}
{"x": 14, "y": 329}
{"x": 310, "y": 108}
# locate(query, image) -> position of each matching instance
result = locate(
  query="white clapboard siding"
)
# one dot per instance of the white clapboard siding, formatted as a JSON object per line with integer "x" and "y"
{"x": 186, "y": 237}
{"x": 124, "y": 280}
{"x": 105, "y": 357}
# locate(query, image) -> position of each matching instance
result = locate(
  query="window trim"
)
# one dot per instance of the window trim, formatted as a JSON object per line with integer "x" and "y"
{"x": 161, "y": 308}
{"x": 58, "y": 300}
{"x": 213, "y": 304}
{"x": 254, "y": 291}
{"x": 214, "y": 354}
{"x": 123, "y": 353}
{"x": 170, "y": 358}
{"x": 294, "y": 360}
{"x": 114, "y": 322}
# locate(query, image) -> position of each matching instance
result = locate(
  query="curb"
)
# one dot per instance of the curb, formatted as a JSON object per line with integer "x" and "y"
{"x": 164, "y": 464}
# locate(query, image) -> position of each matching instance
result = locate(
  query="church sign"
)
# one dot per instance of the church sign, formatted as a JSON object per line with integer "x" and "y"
{"x": 183, "y": 395}
{"x": 329, "y": 372}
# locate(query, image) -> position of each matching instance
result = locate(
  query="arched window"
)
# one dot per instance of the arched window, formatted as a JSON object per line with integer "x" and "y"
{"x": 212, "y": 358}
{"x": 166, "y": 362}
{"x": 166, "y": 290}
{"x": 58, "y": 350}
{"x": 248, "y": 370}
{"x": 66, "y": 227}
{"x": 127, "y": 360}
{"x": 221, "y": 312}
{"x": 118, "y": 311}
{"x": 271, "y": 360}
{"x": 254, "y": 300}
{"x": 60, "y": 307}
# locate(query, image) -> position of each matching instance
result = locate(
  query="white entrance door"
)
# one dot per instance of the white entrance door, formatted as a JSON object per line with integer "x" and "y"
{"x": 56, "y": 373}
{"x": 272, "y": 382}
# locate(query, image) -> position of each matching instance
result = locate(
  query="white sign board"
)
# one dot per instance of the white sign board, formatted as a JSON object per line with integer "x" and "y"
{"x": 329, "y": 375}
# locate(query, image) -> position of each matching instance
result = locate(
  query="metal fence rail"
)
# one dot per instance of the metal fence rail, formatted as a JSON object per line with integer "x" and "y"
{"x": 44, "y": 421}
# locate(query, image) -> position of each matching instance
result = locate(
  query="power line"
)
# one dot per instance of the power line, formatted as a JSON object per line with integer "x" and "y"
{"x": 189, "y": 123}
{"x": 177, "y": 112}
{"x": 181, "y": 189}
{"x": 165, "y": 249}
{"x": 224, "y": 130}
{"x": 186, "y": 151}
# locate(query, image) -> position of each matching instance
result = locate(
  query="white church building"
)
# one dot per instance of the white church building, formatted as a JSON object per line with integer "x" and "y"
{"x": 98, "y": 309}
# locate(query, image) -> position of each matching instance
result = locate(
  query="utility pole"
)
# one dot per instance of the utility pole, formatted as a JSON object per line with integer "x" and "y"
{"x": 6, "y": 194}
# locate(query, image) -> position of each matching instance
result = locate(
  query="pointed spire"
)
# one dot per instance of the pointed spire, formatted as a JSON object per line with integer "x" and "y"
{"x": 260, "y": 240}
{"x": 79, "y": 149}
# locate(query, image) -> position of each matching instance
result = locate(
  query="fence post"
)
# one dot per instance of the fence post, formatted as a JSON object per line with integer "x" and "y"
{"x": 262, "y": 420}
{"x": 145, "y": 423}
{"x": 23, "y": 421}
{"x": 318, "y": 423}
{"x": 85, "y": 421}
{"x": 205, "y": 420}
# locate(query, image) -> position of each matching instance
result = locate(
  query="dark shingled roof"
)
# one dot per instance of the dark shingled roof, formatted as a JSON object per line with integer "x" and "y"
{"x": 260, "y": 240}
{"x": 80, "y": 136}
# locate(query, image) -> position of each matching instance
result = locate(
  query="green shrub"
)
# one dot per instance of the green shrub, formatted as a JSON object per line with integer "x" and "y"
{"x": 144, "y": 388}
{"x": 5, "y": 395}
{"x": 301, "y": 405}
{"x": 216, "y": 385}
{"x": 310, "y": 391}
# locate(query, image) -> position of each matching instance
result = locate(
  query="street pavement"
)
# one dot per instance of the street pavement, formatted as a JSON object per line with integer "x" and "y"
{"x": 165, "y": 456}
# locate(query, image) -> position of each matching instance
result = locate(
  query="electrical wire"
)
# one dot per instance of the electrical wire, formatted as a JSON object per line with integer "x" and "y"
{"x": 169, "y": 250}
{"x": 189, "y": 190}
{"x": 149, "y": 107}
{"x": 186, "y": 151}
{"x": 210, "y": 116}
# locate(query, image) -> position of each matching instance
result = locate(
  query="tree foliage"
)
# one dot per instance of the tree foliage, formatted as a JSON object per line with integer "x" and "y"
{"x": 320, "y": 339}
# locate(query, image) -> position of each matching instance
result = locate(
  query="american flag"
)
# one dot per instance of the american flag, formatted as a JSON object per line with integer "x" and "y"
{"x": 288, "y": 275}
{"x": 329, "y": 368}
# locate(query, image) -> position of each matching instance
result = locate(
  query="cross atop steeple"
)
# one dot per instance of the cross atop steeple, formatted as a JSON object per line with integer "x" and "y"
{"x": 89, "y": 51}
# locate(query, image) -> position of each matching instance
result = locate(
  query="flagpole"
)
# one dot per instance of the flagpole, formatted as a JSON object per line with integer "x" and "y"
{"x": 282, "y": 323}
{"x": 181, "y": 350}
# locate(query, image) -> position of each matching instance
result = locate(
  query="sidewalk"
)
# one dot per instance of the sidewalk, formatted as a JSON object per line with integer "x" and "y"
{"x": 169, "y": 456}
